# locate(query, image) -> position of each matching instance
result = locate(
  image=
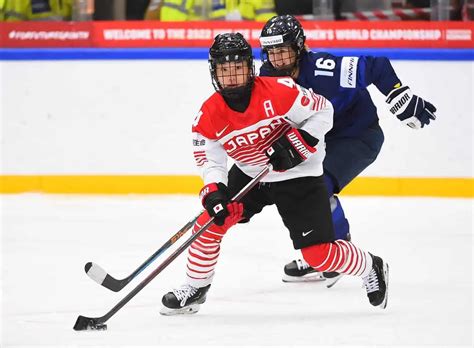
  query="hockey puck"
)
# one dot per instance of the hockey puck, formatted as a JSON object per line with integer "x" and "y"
{"x": 100, "y": 327}
{"x": 88, "y": 324}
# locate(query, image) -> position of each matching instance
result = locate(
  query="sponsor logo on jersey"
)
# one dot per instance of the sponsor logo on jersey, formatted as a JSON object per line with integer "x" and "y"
{"x": 218, "y": 134}
{"x": 348, "y": 78}
{"x": 305, "y": 101}
{"x": 309, "y": 96}
{"x": 201, "y": 142}
{"x": 251, "y": 137}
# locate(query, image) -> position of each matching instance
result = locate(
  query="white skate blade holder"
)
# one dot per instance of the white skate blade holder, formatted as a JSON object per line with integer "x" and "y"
{"x": 191, "y": 309}
{"x": 310, "y": 277}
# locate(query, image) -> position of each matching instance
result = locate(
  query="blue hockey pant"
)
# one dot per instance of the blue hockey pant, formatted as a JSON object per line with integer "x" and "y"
{"x": 346, "y": 158}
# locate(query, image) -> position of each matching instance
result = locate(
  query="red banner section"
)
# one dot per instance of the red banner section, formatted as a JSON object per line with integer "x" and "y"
{"x": 200, "y": 34}
{"x": 46, "y": 34}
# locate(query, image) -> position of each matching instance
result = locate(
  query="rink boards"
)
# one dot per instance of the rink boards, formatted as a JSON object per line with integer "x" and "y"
{"x": 118, "y": 122}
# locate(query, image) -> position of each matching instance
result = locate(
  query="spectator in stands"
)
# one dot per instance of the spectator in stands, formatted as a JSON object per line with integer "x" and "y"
{"x": 184, "y": 10}
{"x": 173, "y": 10}
{"x": 467, "y": 11}
{"x": 337, "y": 10}
{"x": 460, "y": 11}
{"x": 226, "y": 10}
{"x": 418, "y": 3}
{"x": 176, "y": 10}
{"x": 153, "y": 10}
{"x": 135, "y": 9}
{"x": 36, "y": 10}
{"x": 221, "y": 10}
{"x": 257, "y": 10}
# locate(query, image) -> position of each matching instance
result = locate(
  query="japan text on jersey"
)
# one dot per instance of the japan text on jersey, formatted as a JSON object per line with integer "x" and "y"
{"x": 276, "y": 105}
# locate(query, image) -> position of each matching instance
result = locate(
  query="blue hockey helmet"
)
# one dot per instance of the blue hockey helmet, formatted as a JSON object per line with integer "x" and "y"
{"x": 282, "y": 31}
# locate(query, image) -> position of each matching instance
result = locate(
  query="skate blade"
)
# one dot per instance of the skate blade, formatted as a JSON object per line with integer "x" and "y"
{"x": 310, "y": 277}
{"x": 330, "y": 282}
{"x": 383, "y": 305}
{"x": 191, "y": 309}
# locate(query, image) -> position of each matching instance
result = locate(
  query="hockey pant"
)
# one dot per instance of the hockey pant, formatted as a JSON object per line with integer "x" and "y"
{"x": 346, "y": 157}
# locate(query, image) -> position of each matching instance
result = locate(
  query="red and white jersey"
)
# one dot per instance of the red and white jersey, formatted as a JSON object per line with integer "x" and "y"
{"x": 277, "y": 104}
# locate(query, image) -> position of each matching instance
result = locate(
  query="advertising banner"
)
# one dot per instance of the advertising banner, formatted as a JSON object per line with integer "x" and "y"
{"x": 46, "y": 34}
{"x": 148, "y": 34}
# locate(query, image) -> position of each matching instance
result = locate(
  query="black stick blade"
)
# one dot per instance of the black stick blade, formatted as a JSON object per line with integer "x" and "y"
{"x": 113, "y": 284}
{"x": 88, "y": 324}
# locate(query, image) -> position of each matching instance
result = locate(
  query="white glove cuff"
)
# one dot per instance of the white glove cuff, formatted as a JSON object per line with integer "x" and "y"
{"x": 413, "y": 122}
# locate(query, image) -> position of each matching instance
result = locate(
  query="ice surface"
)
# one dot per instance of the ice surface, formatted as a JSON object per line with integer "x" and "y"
{"x": 47, "y": 239}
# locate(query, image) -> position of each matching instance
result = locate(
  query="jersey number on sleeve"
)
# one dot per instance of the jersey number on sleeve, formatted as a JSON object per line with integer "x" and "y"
{"x": 325, "y": 66}
{"x": 288, "y": 82}
{"x": 197, "y": 118}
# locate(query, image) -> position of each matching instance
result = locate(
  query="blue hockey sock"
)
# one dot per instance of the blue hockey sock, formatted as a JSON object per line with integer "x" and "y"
{"x": 341, "y": 225}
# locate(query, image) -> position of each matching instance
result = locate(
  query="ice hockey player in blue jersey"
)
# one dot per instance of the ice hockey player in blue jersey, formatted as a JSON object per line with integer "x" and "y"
{"x": 356, "y": 137}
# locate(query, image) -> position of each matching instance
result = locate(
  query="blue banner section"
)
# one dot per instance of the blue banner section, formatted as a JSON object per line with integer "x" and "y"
{"x": 202, "y": 53}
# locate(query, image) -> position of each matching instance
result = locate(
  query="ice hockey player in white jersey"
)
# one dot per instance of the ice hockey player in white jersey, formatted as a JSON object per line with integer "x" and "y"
{"x": 256, "y": 120}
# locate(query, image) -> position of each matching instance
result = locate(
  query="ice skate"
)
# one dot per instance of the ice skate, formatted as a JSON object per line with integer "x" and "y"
{"x": 376, "y": 283}
{"x": 185, "y": 300}
{"x": 331, "y": 278}
{"x": 300, "y": 271}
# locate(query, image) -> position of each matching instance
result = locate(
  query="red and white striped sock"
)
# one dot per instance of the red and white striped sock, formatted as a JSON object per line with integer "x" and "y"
{"x": 203, "y": 253}
{"x": 340, "y": 256}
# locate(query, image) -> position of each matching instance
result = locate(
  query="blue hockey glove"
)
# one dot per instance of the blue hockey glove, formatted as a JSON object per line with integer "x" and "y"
{"x": 409, "y": 108}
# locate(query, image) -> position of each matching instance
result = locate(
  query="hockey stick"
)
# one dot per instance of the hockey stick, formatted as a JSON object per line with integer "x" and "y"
{"x": 98, "y": 323}
{"x": 100, "y": 276}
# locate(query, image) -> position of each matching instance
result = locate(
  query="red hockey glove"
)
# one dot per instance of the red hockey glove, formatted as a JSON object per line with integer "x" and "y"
{"x": 215, "y": 198}
{"x": 291, "y": 149}
{"x": 236, "y": 212}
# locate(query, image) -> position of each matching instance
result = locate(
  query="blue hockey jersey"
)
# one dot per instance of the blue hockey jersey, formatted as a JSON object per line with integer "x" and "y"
{"x": 344, "y": 81}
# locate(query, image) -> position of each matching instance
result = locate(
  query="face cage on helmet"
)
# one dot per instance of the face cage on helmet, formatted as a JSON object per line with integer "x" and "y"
{"x": 285, "y": 70}
{"x": 215, "y": 81}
